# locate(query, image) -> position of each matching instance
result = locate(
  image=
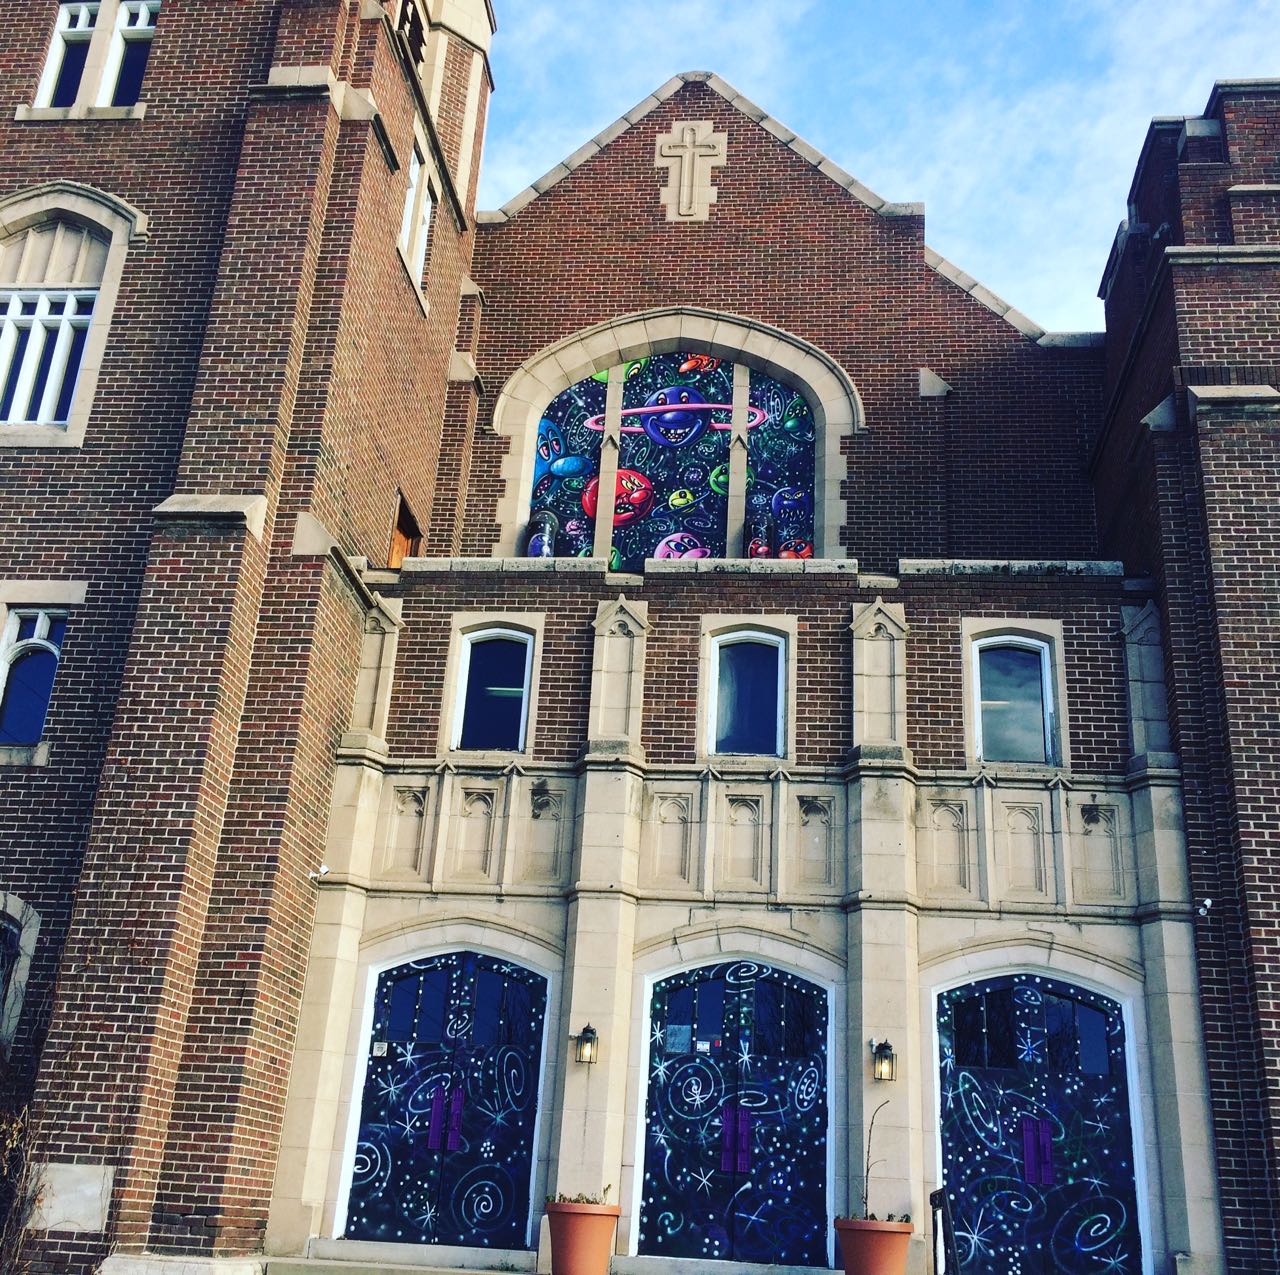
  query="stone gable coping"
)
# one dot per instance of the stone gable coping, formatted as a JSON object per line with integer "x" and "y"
{"x": 812, "y": 156}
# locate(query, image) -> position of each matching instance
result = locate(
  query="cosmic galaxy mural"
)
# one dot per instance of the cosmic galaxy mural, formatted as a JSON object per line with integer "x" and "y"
{"x": 447, "y": 1116}
{"x": 672, "y": 493}
{"x": 735, "y": 1139}
{"x": 1037, "y": 1148}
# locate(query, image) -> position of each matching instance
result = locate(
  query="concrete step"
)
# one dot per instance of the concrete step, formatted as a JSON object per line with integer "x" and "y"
{"x": 330, "y": 1266}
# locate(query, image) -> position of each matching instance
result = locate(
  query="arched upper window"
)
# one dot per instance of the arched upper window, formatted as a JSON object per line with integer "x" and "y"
{"x": 30, "y": 646}
{"x": 492, "y": 704}
{"x": 1015, "y": 713}
{"x": 682, "y": 489}
{"x": 62, "y": 252}
{"x": 50, "y": 275}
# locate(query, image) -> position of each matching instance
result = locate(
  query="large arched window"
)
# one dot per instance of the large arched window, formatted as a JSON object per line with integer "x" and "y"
{"x": 748, "y": 694}
{"x": 707, "y": 458}
{"x": 50, "y": 274}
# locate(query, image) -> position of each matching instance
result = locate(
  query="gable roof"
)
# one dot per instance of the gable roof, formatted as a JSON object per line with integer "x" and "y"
{"x": 812, "y": 156}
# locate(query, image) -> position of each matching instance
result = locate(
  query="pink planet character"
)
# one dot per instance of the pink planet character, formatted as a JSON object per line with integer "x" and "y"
{"x": 681, "y": 545}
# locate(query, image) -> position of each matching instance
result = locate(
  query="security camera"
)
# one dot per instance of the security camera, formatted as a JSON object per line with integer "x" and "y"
{"x": 316, "y": 873}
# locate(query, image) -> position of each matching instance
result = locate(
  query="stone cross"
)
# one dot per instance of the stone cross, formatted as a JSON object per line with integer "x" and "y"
{"x": 689, "y": 152}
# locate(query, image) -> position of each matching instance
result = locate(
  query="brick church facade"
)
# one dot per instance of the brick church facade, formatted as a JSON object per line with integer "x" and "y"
{"x": 912, "y": 709}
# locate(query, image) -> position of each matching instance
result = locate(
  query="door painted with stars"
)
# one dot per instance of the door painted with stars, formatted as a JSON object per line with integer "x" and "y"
{"x": 447, "y": 1117}
{"x": 1037, "y": 1146}
{"x": 735, "y": 1148}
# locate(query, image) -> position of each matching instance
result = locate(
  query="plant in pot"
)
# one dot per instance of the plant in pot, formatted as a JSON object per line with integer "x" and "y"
{"x": 869, "y": 1246}
{"x": 581, "y": 1232}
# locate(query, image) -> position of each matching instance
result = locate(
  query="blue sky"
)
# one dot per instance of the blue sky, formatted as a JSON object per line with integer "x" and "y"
{"x": 1017, "y": 124}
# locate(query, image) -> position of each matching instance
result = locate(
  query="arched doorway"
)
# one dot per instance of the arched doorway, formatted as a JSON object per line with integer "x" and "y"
{"x": 1037, "y": 1144}
{"x": 450, "y": 1101}
{"x": 735, "y": 1146}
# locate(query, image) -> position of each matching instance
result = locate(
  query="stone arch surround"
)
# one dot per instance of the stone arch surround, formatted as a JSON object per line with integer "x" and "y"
{"x": 837, "y": 406}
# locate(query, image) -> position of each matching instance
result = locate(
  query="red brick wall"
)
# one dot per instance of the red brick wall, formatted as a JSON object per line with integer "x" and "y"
{"x": 786, "y": 245}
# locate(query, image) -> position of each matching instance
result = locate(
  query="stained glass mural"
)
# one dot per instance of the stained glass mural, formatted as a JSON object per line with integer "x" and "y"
{"x": 735, "y": 1147}
{"x": 450, "y": 1100}
{"x": 673, "y": 484}
{"x": 1037, "y": 1148}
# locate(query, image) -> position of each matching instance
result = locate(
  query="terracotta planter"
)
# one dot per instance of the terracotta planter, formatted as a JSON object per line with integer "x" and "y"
{"x": 873, "y": 1248}
{"x": 581, "y": 1237}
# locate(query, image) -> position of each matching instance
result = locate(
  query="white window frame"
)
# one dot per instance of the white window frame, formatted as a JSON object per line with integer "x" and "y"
{"x": 1049, "y": 715}
{"x": 418, "y": 216}
{"x": 76, "y": 306}
{"x": 12, "y": 650}
{"x": 732, "y": 637}
{"x": 28, "y": 921}
{"x": 116, "y": 23}
{"x": 469, "y": 640}
{"x": 135, "y": 21}
{"x": 76, "y": 24}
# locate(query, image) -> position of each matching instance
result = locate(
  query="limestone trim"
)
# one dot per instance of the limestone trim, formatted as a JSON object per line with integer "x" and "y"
{"x": 779, "y": 630}
{"x": 1043, "y": 633}
{"x": 879, "y": 650}
{"x": 125, "y": 227}
{"x": 527, "y": 625}
{"x": 836, "y": 404}
{"x": 431, "y": 939}
{"x": 617, "y": 678}
{"x": 728, "y": 942}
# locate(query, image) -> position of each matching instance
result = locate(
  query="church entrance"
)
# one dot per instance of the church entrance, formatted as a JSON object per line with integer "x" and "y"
{"x": 1037, "y": 1147}
{"x": 450, "y": 1103}
{"x": 735, "y": 1147}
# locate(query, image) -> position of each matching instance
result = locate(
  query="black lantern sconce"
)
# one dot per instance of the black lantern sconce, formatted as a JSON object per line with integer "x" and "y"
{"x": 884, "y": 1062}
{"x": 587, "y": 1045}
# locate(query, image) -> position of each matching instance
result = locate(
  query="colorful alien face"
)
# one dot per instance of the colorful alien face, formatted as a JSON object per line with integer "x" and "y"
{"x": 634, "y": 497}
{"x": 790, "y": 503}
{"x": 795, "y": 549}
{"x": 550, "y": 448}
{"x": 634, "y": 368}
{"x": 797, "y": 420}
{"x": 681, "y": 545}
{"x": 680, "y": 426}
{"x": 759, "y": 548}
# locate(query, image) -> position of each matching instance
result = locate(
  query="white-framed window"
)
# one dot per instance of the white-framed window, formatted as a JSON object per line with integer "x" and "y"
{"x": 50, "y": 276}
{"x": 747, "y": 693}
{"x": 419, "y": 211}
{"x": 30, "y": 647}
{"x": 98, "y": 55}
{"x": 135, "y": 24}
{"x": 68, "y": 54}
{"x": 1014, "y": 718}
{"x": 19, "y": 929}
{"x": 491, "y": 707}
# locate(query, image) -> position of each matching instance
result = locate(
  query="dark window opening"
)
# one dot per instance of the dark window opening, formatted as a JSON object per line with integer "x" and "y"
{"x": 747, "y": 698}
{"x": 27, "y": 691}
{"x": 70, "y": 72}
{"x": 133, "y": 66}
{"x": 493, "y": 710}
{"x": 1012, "y": 704}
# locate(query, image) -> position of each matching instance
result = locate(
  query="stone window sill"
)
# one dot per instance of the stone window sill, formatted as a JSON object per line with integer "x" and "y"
{"x": 56, "y": 114}
{"x": 24, "y": 754}
{"x": 39, "y": 436}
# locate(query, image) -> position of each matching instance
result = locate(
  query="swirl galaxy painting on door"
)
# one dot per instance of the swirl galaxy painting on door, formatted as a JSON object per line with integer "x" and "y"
{"x": 450, "y": 1103}
{"x": 673, "y": 487}
{"x": 735, "y": 1136}
{"x": 1037, "y": 1146}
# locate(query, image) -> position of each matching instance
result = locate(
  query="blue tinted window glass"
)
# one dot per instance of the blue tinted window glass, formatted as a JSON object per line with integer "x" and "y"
{"x": 495, "y": 694}
{"x": 747, "y": 698}
{"x": 15, "y": 371}
{"x": 709, "y": 1036}
{"x": 489, "y": 1007}
{"x": 1012, "y": 704}
{"x": 74, "y": 53}
{"x": 133, "y": 66}
{"x": 74, "y": 354}
{"x": 1091, "y": 1030}
{"x": 26, "y": 697}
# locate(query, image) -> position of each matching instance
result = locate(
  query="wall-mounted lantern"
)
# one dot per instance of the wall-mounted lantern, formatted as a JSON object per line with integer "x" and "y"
{"x": 884, "y": 1062}
{"x": 587, "y": 1045}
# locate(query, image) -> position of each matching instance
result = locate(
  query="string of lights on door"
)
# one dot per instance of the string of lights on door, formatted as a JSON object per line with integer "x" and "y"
{"x": 1037, "y": 1146}
{"x": 674, "y": 471}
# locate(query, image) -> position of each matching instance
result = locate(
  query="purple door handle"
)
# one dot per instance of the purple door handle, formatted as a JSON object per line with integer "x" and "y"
{"x": 728, "y": 1131}
{"x": 436, "y": 1126}
{"x": 455, "y": 1119}
{"x": 744, "y": 1139}
{"x": 1037, "y": 1151}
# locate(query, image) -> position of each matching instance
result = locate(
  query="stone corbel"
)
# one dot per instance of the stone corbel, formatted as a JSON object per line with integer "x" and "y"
{"x": 879, "y": 641}
{"x": 617, "y": 680}
{"x": 373, "y": 683}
